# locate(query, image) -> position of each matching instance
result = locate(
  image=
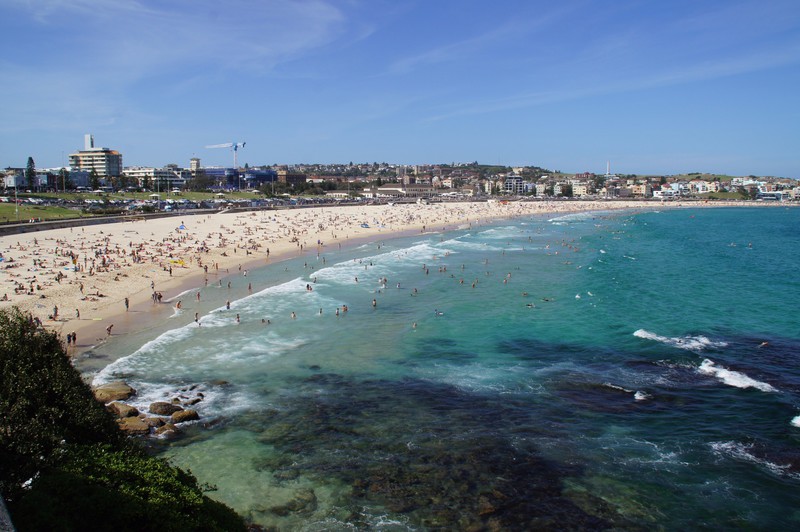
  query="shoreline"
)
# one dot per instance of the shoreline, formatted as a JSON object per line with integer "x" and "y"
{"x": 175, "y": 255}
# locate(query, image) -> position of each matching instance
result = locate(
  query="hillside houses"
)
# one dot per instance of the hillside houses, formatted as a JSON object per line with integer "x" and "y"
{"x": 454, "y": 180}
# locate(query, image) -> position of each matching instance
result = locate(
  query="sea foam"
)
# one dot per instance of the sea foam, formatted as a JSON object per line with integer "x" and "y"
{"x": 733, "y": 378}
{"x": 744, "y": 453}
{"x": 690, "y": 343}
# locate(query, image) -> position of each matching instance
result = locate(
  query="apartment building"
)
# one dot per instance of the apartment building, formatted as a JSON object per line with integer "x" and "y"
{"x": 104, "y": 161}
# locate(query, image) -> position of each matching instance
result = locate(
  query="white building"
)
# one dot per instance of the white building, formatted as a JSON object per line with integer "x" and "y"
{"x": 167, "y": 178}
{"x": 104, "y": 161}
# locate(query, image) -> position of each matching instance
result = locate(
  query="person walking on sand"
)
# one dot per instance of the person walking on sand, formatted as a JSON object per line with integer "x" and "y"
{"x": 127, "y": 304}
{"x": 108, "y": 329}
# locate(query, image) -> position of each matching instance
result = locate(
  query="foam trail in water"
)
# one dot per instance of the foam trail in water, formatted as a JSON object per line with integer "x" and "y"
{"x": 733, "y": 378}
{"x": 691, "y": 343}
{"x": 744, "y": 452}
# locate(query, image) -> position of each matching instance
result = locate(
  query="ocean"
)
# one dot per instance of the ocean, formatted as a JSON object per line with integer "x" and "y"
{"x": 627, "y": 370}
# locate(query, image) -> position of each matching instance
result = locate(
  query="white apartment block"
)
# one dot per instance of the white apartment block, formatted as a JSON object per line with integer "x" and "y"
{"x": 104, "y": 161}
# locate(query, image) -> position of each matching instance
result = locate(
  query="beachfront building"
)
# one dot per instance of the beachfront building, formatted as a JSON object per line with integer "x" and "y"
{"x": 291, "y": 178}
{"x": 541, "y": 188}
{"x": 402, "y": 190}
{"x": 580, "y": 189}
{"x": 222, "y": 177}
{"x": 255, "y": 177}
{"x": 165, "y": 178}
{"x": 514, "y": 185}
{"x": 338, "y": 194}
{"x": 14, "y": 177}
{"x": 104, "y": 161}
{"x": 641, "y": 190}
{"x": 194, "y": 166}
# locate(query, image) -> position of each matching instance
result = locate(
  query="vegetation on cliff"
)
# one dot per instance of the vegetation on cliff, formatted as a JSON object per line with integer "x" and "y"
{"x": 65, "y": 465}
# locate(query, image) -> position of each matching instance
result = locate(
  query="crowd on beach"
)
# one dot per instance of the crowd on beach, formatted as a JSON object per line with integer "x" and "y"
{"x": 100, "y": 271}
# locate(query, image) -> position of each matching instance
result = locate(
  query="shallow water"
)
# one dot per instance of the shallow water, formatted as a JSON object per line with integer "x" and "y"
{"x": 592, "y": 371}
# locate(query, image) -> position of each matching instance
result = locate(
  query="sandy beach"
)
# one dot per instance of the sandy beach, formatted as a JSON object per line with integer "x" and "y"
{"x": 78, "y": 280}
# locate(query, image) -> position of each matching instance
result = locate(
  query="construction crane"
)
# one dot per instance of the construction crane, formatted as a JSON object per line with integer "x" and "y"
{"x": 235, "y": 147}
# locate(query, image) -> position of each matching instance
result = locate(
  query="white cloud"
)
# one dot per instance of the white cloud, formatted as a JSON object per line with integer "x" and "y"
{"x": 139, "y": 39}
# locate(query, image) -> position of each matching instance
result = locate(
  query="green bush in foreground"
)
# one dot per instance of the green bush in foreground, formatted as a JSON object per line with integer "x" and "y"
{"x": 98, "y": 488}
{"x": 64, "y": 465}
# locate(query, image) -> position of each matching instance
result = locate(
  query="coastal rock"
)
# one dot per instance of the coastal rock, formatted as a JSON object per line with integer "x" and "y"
{"x": 155, "y": 421}
{"x": 113, "y": 391}
{"x": 185, "y": 415}
{"x": 134, "y": 426}
{"x": 122, "y": 410}
{"x": 161, "y": 408}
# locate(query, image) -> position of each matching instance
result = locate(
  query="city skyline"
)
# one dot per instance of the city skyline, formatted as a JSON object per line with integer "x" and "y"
{"x": 655, "y": 88}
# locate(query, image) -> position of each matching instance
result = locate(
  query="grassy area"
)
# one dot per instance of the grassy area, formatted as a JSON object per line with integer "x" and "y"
{"x": 8, "y": 213}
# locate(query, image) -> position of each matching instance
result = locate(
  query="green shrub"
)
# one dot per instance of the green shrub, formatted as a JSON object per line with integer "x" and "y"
{"x": 95, "y": 487}
{"x": 64, "y": 464}
{"x": 44, "y": 403}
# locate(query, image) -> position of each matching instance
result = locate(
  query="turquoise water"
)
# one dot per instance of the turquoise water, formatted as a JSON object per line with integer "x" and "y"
{"x": 591, "y": 371}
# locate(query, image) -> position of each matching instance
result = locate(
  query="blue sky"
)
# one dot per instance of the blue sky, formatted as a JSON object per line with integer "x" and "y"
{"x": 660, "y": 87}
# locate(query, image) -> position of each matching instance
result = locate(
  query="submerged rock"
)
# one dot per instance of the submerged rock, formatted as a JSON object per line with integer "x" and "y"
{"x": 304, "y": 501}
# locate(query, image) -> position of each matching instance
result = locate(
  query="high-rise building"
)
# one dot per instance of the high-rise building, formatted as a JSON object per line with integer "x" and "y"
{"x": 106, "y": 162}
